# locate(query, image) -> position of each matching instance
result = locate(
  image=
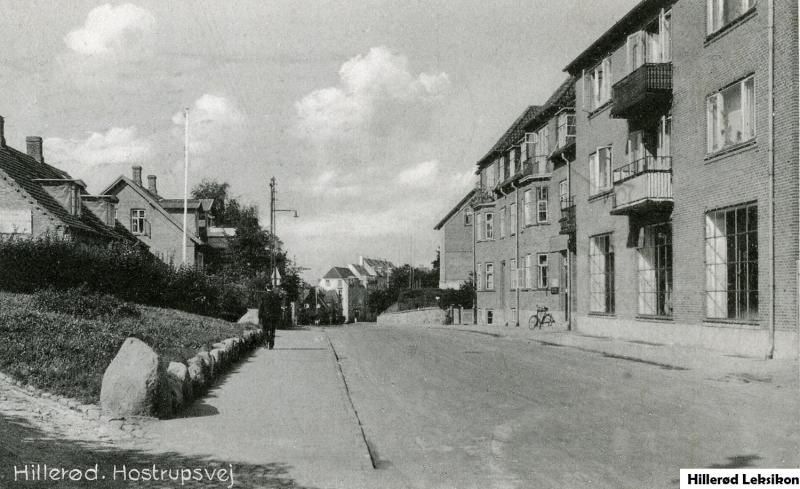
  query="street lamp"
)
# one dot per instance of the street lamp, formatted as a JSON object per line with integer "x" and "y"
{"x": 272, "y": 214}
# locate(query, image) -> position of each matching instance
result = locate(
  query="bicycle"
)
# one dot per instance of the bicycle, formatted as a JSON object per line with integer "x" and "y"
{"x": 541, "y": 318}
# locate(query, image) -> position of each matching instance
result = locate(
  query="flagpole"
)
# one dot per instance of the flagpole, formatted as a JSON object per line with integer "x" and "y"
{"x": 185, "y": 179}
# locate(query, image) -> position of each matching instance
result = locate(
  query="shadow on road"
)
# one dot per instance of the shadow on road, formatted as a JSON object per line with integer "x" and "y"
{"x": 25, "y": 444}
{"x": 737, "y": 462}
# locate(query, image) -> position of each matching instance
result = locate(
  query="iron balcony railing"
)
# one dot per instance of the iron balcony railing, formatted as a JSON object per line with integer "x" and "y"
{"x": 536, "y": 166}
{"x": 645, "y": 89}
{"x": 482, "y": 196}
{"x": 643, "y": 165}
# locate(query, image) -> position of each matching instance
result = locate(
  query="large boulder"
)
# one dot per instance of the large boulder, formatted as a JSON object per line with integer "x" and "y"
{"x": 131, "y": 382}
{"x": 197, "y": 373}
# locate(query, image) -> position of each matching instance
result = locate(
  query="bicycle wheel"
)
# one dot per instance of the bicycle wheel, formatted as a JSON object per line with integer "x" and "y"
{"x": 547, "y": 320}
{"x": 533, "y": 322}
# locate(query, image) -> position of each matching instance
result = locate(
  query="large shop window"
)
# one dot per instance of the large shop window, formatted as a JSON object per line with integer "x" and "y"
{"x": 732, "y": 263}
{"x": 655, "y": 270}
{"x": 601, "y": 274}
{"x": 731, "y": 115}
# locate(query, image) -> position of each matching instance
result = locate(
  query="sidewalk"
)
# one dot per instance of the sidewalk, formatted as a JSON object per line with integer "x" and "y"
{"x": 286, "y": 406}
{"x": 715, "y": 364}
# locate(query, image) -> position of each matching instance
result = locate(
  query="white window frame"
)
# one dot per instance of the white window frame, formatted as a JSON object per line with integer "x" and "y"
{"x": 565, "y": 128}
{"x": 600, "y": 177}
{"x": 489, "y": 216}
{"x": 527, "y": 272}
{"x": 514, "y": 273}
{"x": 600, "y": 84}
{"x": 542, "y": 269}
{"x": 563, "y": 193}
{"x": 715, "y": 14}
{"x": 527, "y": 197}
{"x": 542, "y": 204}
{"x": 138, "y": 221}
{"x": 513, "y": 218}
{"x": 502, "y": 222}
{"x": 717, "y": 139}
{"x": 601, "y": 274}
{"x": 489, "y": 276}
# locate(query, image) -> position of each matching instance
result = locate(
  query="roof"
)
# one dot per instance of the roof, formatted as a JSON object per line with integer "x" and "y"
{"x": 377, "y": 262}
{"x": 30, "y": 175}
{"x": 339, "y": 272}
{"x": 563, "y": 97}
{"x": 455, "y": 209}
{"x": 511, "y": 136}
{"x": 360, "y": 270}
{"x": 150, "y": 198}
{"x": 628, "y": 24}
{"x": 221, "y": 232}
{"x": 203, "y": 204}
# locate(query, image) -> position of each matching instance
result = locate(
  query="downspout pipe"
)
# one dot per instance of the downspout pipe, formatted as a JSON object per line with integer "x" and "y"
{"x": 771, "y": 156}
{"x": 569, "y": 253}
{"x": 516, "y": 245}
{"x": 474, "y": 268}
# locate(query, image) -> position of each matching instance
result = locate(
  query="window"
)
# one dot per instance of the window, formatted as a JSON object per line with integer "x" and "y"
{"x": 732, "y": 263}
{"x": 507, "y": 161}
{"x": 514, "y": 273}
{"x": 489, "y": 225}
{"x": 479, "y": 285}
{"x": 722, "y": 12}
{"x": 489, "y": 316}
{"x": 491, "y": 177}
{"x": 542, "y": 214}
{"x": 542, "y": 150}
{"x": 528, "y": 200}
{"x": 527, "y": 273}
{"x": 563, "y": 193}
{"x": 731, "y": 115}
{"x": 653, "y": 44}
{"x": 327, "y": 282}
{"x": 512, "y": 209}
{"x": 600, "y": 170}
{"x": 502, "y": 222}
{"x": 468, "y": 214}
{"x": 565, "y": 132}
{"x": 655, "y": 270}
{"x": 541, "y": 263}
{"x": 137, "y": 221}
{"x": 598, "y": 84}
{"x": 490, "y": 276}
{"x": 601, "y": 274}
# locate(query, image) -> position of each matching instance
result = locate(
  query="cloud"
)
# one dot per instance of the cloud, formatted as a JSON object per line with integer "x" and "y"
{"x": 110, "y": 30}
{"x": 99, "y": 157}
{"x": 368, "y": 84}
{"x": 421, "y": 174}
{"x": 212, "y": 120}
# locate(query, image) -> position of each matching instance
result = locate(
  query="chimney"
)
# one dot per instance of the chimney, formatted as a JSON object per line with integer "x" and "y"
{"x": 137, "y": 175}
{"x": 35, "y": 148}
{"x": 2, "y": 132}
{"x": 151, "y": 184}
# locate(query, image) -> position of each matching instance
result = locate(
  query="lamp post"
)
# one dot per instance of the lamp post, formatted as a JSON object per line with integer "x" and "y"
{"x": 272, "y": 214}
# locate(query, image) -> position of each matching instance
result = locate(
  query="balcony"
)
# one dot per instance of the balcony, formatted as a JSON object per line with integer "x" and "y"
{"x": 567, "y": 221}
{"x": 647, "y": 90}
{"x": 536, "y": 168}
{"x": 643, "y": 187}
{"x": 482, "y": 196}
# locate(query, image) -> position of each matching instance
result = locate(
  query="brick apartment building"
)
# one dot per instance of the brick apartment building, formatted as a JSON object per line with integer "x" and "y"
{"x": 681, "y": 196}
{"x": 521, "y": 257}
{"x": 685, "y": 188}
{"x": 37, "y": 199}
{"x": 158, "y": 222}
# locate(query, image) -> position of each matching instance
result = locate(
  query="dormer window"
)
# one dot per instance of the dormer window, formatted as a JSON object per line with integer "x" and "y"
{"x": 75, "y": 200}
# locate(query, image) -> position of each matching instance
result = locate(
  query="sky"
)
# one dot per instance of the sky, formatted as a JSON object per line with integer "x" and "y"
{"x": 371, "y": 115}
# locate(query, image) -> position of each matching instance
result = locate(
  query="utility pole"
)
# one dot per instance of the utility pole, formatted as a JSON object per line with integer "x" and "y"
{"x": 272, "y": 277}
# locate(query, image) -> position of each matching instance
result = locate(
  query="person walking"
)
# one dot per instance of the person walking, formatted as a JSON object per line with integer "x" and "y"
{"x": 269, "y": 313}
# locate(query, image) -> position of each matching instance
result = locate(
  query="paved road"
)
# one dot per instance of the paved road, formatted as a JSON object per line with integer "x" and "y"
{"x": 447, "y": 409}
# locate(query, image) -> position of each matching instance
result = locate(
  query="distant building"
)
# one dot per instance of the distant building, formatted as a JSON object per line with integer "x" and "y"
{"x": 37, "y": 199}
{"x": 457, "y": 244}
{"x": 379, "y": 268}
{"x": 351, "y": 292}
{"x": 158, "y": 222}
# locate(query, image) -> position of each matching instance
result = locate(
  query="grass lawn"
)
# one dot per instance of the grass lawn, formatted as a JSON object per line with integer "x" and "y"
{"x": 67, "y": 354}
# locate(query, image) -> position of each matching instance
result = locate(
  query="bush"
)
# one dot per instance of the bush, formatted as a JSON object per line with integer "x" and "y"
{"x": 124, "y": 271}
{"x": 83, "y": 303}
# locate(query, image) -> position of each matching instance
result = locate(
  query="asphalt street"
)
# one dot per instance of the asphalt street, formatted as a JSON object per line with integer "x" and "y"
{"x": 444, "y": 408}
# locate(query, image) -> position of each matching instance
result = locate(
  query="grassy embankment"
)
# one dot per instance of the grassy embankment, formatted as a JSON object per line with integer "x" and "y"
{"x": 62, "y": 342}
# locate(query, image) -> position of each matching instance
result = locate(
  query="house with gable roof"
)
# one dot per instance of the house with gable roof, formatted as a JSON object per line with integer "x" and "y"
{"x": 37, "y": 199}
{"x": 350, "y": 290}
{"x": 158, "y": 222}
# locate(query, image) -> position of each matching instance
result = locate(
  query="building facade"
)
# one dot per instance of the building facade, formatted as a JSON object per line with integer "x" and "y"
{"x": 158, "y": 222}
{"x": 351, "y": 293}
{"x": 457, "y": 242}
{"x": 685, "y": 186}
